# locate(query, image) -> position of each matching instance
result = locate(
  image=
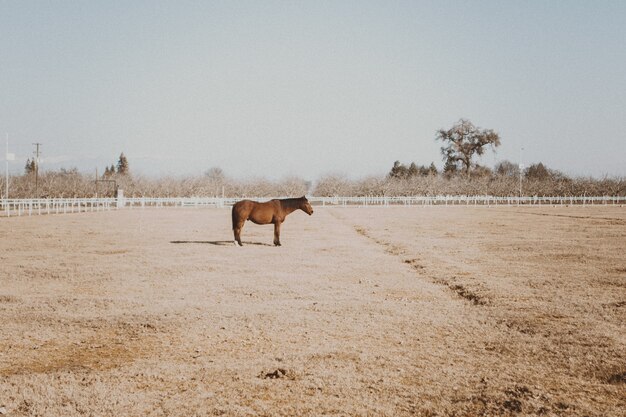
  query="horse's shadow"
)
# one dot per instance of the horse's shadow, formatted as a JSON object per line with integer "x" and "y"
{"x": 219, "y": 242}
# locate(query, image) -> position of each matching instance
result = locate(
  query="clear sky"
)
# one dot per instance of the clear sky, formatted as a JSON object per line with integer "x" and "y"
{"x": 275, "y": 88}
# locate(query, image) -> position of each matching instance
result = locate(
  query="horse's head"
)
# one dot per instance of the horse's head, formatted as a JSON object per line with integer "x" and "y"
{"x": 305, "y": 206}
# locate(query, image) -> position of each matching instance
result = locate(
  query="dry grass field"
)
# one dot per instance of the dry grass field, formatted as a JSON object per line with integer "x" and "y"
{"x": 435, "y": 311}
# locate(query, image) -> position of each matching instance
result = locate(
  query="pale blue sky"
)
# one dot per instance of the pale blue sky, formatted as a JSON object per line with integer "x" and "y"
{"x": 272, "y": 88}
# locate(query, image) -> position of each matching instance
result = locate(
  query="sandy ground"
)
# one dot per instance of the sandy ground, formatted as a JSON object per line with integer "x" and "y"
{"x": 436, "y": 311}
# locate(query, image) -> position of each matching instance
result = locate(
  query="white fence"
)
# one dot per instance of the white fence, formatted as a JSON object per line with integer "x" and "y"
{"x": 481, "y": 200}
{"x": 20, "y": 207}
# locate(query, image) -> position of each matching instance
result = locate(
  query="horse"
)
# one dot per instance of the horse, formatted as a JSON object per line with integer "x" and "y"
{"x": 273, "y": 211}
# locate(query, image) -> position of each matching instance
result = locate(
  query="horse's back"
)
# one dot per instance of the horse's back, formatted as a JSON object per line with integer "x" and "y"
{"x": 242, "y": 204}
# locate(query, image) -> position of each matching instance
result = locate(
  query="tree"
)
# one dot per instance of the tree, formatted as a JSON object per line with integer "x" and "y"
{"x": 423, "y": 171}
{"x": 30, "y": 167}
{"x": 332, "y": 186}
{"x": 462, "y": 142}
{"x": 398, "y": 170}
{"x": 479, "y": 171}
{"x": 122, "y": 165}
{"x": 216, "y": 174}
{"x": 538, "y": 172}
{"x": 432, "y": 169}
{"x": 292, "y": 186}
{"x": 450, "y": 168}
{"x": 506, "y": 169}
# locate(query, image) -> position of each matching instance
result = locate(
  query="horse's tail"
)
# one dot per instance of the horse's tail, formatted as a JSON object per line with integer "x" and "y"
{"x": 234, "y": 216}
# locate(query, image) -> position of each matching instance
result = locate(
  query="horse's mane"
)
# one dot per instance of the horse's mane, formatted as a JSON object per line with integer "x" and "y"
{"x": 292, "y": 201}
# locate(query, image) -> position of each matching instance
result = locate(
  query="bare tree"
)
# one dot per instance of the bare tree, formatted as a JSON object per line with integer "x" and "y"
{"x": 216, "y": 174}
{"x": 333, "y": 185}
{"x": 292, "y": 187}
{"x": 462, "y": 142}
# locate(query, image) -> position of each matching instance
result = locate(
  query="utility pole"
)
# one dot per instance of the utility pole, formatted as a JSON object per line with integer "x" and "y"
{"x": 8, "y": 157}
{"x": 6, "y": 190}
{"x": 37, "y": 144}
{"x": 521, "y": 169}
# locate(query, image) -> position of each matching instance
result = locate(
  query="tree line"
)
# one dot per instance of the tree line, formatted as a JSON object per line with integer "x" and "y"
{"x": 502, "y": 181}
{"x": 536, "y": 171}
{"x": 461, "y": 147}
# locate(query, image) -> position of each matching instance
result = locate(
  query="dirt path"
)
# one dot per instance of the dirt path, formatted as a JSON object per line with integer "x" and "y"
{"x": 360, "y": 312}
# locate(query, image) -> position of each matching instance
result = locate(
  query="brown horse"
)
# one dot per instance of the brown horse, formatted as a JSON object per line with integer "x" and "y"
{"x": 273, "y": 211}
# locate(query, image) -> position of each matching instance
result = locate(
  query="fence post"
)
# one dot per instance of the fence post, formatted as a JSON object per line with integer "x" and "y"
{"x": 121, "y": 201}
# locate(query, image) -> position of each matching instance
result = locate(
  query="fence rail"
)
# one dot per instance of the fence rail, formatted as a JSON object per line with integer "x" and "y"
{"x": 20, "y": 207}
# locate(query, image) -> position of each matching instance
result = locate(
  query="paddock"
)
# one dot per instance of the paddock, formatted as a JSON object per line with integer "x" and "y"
{"x": 386, "y": 311}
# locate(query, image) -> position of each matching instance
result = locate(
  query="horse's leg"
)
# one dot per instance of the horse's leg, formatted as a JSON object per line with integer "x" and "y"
{"x": 237, "y": 233}
{"x": 277, "y": 234}
{"x": 238, "y": 221}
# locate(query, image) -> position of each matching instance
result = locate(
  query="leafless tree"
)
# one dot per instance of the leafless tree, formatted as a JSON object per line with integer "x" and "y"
{"x": 333, "y": 185}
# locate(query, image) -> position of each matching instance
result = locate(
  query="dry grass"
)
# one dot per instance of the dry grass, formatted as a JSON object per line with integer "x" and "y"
{"x": 380, "y": 311}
